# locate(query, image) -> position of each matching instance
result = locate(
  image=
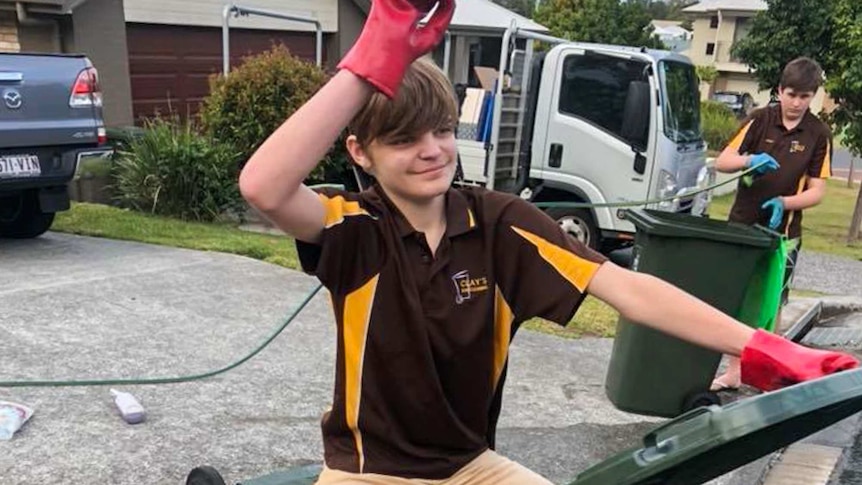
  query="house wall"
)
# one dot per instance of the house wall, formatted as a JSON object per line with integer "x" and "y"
{"x": 208, "y": 13}
{"x": 99, "y": 31}
{"x": 350, "y": 22}
{"x": 9, "y": 33}
{"x": 724, "y": 36}
{"x": 702, "y": 35}
{"x": 41, "y": 37}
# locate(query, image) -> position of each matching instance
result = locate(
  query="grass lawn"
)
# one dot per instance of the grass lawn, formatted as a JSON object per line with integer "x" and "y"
{"x": 825, "y": 229}
{"x": 110, "y": 222}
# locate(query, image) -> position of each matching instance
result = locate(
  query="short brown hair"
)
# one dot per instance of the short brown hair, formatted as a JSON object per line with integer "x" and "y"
{"x": 425, "y": 101}
{"x": 802, "y": 74}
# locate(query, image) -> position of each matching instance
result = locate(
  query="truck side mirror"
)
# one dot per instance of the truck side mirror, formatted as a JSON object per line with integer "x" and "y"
{"x": 636, "y": 115}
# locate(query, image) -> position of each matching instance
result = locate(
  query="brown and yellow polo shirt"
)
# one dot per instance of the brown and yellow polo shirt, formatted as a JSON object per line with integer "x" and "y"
{"x": 423, "y": 339}
{"x": 802, "y": 153}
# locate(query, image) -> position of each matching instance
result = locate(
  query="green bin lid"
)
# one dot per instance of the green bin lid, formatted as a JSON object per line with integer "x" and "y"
{"x": 708, "y": 442}
{"x": 671, "y": 224}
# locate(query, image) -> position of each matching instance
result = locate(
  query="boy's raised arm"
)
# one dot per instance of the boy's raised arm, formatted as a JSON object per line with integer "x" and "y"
{"x": 272, "y": 180}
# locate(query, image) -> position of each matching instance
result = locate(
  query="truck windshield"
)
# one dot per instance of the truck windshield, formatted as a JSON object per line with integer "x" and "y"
{"x": 682, "y": 102}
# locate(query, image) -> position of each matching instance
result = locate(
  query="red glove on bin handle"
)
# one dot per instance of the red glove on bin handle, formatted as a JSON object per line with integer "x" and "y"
{"x": 770, "y": 362}
{"x": 392, "y": 39}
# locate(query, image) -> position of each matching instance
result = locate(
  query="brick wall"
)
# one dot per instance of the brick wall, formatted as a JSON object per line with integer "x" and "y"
{"x": 9, "y": 33}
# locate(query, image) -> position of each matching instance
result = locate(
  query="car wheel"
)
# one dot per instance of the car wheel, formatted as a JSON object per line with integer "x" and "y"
{"x": 21, "y": 217}
{"x": 578, "y": 223}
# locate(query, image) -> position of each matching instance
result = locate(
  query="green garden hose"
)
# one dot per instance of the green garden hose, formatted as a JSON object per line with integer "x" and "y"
{"x": 168, "y": 380}
{"x": 295, "y": 312}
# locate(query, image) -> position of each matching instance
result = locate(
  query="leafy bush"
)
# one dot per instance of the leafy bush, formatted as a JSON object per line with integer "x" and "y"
{"x": 719, "y": 124}
{"x": 171, "y": 170}
{"x": 244, "y": 108}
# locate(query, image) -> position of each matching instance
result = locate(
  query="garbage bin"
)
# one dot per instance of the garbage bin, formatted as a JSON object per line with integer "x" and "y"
{"x": 709, "y": 441}
{"x": 655, "y": 374}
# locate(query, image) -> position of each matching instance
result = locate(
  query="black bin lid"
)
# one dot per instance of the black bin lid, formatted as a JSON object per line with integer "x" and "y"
{"x": 676, "y": 225}
{"x": 710, "y": 441}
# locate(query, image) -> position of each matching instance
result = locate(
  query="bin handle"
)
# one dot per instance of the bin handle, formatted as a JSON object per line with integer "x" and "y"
{"x": 650, "y": 440}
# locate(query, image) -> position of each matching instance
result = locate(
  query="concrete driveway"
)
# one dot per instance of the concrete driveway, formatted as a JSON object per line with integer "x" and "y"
{"x": 76, "y": 307}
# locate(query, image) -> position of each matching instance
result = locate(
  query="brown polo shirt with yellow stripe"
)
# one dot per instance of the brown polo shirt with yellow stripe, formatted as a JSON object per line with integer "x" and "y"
{"x": 802, "y": 153}
{"x": 423, "y": 339}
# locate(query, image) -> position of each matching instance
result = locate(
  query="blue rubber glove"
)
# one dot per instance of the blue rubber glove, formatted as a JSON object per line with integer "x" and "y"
{"x": 776, "y": 206}
{"x": 762, "y": 163}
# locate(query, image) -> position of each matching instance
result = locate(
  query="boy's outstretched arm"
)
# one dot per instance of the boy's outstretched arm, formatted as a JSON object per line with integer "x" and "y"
{"x": 768, "y": 361}
{"x": 649, "y": 300}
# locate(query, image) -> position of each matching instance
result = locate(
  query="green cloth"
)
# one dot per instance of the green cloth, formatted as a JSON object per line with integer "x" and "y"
{"x": 763, "y": 294}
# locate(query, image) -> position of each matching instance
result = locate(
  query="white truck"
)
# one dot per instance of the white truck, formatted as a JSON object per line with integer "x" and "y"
{"x": 591, "y": 123}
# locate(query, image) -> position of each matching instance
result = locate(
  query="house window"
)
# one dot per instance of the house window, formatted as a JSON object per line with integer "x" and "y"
{"x": 713, "y": 22}
{"x": 594, "y": 88}
{"x": 710, "y": 48}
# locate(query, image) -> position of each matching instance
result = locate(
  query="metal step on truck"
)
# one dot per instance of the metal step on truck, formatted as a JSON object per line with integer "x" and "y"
{"x": 596, "y": 124}
{"x": 50, "y": 117}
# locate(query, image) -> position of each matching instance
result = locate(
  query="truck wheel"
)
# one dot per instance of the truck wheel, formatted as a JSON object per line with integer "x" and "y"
{"x": 577, "y": 222}
{"x": 21, "y": 217}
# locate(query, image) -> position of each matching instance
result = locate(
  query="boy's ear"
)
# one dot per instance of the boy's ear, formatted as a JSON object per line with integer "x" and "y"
{"x": 357, "y": 152}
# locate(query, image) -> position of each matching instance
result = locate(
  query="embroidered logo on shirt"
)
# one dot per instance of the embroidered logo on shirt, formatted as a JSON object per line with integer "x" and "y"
{"x": 466, "y": 287}
{"x": 796, "y": 147}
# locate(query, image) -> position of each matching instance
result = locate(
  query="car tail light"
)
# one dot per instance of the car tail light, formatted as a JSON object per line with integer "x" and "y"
{"x": 103, "y": 135}
{"x": 86, "y": 91}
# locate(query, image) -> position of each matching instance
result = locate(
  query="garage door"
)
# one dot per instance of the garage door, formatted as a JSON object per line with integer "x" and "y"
{"x": 170, "y": 65}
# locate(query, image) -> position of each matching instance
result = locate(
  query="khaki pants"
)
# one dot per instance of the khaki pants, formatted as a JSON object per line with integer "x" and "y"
{"x": 489, "y": 468}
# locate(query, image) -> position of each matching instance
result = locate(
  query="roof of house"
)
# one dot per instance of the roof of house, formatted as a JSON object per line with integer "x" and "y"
{"x": 715, "y": 5}
{"x": 663, "y": 24}
{"x": 485, "y": 14}
{"x": 671, "y": 31}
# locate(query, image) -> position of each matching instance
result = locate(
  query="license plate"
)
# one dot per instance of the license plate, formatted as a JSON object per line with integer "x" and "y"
{"x": 19, "y": 166}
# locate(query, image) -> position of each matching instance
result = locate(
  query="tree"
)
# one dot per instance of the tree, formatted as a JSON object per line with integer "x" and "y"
{"x": 844, "y": 84}
{"x": 668, "y": 9}
{"x": 521, "y": 7}
{"x": 786, "y": 30}
{"x": 603, "y": 21}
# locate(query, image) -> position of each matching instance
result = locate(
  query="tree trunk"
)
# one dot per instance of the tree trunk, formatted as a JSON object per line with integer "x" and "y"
{"x": 850, "y": 176}
{"x": 857, "y": 218}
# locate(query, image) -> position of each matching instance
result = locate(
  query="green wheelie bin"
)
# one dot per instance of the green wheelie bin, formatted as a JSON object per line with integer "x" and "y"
{"x": 654, "y": 374}
{"x": 710, "y": 441}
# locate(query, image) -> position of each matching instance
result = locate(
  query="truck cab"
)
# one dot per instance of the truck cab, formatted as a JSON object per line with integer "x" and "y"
{"x": 593, "y": 124}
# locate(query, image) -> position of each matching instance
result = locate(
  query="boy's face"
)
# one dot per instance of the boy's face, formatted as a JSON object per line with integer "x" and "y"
{"x": 416, "y": 169}
{"x": 794, "y": 104}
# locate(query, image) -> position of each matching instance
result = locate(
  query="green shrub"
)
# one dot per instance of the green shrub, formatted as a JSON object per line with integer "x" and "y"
{"x": 719, "y": 124}
{"x": 244, "y": 108}
{"x": 171, "y": 170}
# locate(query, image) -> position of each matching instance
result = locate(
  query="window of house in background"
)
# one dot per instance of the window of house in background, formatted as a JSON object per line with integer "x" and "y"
{"x": 713, "y": 22}
{"x": 710, "y": 49}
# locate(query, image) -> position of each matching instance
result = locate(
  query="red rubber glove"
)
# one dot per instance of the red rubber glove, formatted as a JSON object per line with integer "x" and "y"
{"x": 770, "y": 362}
{"x": 392, "y": 39}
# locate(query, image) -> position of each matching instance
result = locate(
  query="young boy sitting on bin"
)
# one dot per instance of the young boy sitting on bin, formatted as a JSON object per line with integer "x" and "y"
{"x": 429, "y": 283}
